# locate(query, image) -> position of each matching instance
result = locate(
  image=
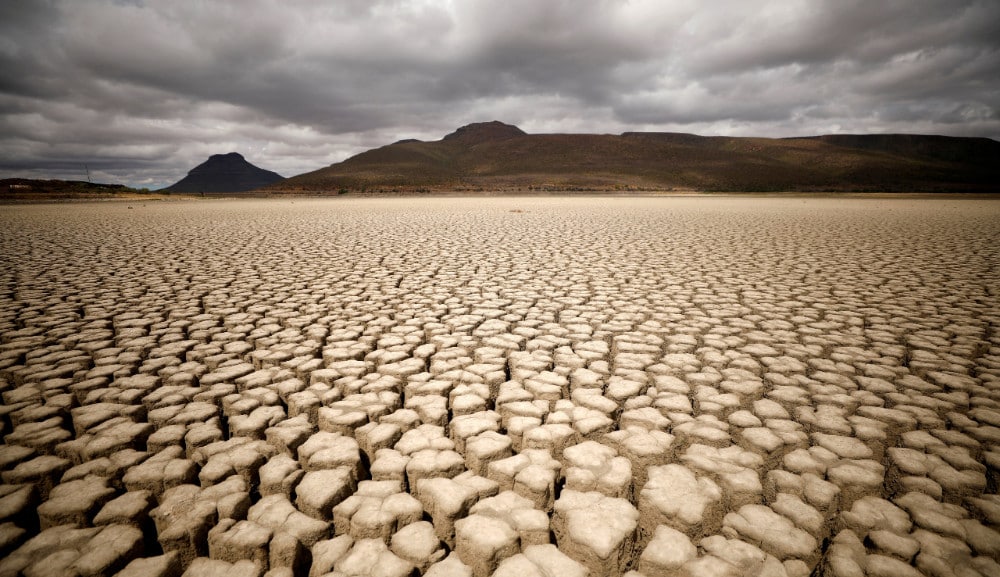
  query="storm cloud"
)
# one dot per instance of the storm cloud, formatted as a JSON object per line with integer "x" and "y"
{"x": 141, "y": 91}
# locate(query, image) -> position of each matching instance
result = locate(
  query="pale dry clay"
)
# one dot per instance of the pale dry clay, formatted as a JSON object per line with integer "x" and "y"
{"x": 510, "y": 387}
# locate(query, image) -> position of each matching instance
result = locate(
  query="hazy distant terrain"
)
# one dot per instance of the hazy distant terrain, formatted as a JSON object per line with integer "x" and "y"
{"x": 501, "y": 386}
{"x": 32, "y": 190}
{"x": 493, "y": 156}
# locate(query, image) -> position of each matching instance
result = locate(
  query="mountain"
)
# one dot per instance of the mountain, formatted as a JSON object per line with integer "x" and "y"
{"x": 225, "y": 173}
{"x": 493, "y": 156}
{"x": 480, "y": 132}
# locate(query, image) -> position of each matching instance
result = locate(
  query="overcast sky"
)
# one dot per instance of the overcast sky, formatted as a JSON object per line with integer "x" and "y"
{"x": 141, "y": 91}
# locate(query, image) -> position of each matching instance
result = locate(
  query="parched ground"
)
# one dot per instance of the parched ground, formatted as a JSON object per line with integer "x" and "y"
{"x": 507, "y": 386}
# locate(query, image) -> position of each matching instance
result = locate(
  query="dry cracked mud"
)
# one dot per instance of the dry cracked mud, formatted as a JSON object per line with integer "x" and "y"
{"x": 511, "y": 387}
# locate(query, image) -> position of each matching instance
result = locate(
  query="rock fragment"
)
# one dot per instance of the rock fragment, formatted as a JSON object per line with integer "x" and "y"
{"x": 773, "y": 533}
{"x": 676, "y": 497}
{"x": 597, "y": 531}
{"x": 667, "y": 552}
{"x": 377, "y": 510}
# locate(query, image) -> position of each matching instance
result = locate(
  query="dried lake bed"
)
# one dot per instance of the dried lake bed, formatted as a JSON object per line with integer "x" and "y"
{"x": 503, "y": 386}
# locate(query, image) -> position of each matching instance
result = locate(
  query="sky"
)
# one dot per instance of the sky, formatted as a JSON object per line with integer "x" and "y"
{"x": 141, "y": 91}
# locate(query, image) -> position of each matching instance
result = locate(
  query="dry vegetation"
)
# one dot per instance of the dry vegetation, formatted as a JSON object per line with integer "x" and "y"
{"x": 509, "y": 387}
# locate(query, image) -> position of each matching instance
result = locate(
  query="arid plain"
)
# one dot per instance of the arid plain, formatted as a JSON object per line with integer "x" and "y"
{"x": 515, "y": 387}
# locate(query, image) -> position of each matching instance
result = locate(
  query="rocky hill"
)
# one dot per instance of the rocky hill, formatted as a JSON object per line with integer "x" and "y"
{"x": 493, "y": 156}
{"x": 224, "y": 173}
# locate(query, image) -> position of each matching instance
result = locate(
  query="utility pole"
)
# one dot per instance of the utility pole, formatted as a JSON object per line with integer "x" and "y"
{"x": 87, "y": 168}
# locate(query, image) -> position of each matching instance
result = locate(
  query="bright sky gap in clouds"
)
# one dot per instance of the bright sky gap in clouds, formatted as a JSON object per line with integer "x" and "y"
{"x": 141, "y": 91}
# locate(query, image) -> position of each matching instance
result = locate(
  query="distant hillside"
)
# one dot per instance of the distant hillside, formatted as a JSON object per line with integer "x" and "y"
{"x": 224, "y": 173}
{"x": 493, "y": 156}
{"x": 34, "y": 190}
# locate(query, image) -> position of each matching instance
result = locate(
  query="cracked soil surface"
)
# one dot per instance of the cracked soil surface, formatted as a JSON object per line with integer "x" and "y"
{"x": 508, "y": 386}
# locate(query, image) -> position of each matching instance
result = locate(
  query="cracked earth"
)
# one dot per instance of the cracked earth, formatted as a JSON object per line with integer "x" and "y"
{"x": 509, "y": 387}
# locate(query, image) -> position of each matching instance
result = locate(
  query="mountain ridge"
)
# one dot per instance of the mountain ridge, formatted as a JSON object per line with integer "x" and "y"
{"x": 496, "y": 156}
{"x": 228, "y": 172}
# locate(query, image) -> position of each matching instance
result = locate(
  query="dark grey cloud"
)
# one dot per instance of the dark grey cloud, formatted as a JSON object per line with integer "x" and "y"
{"x": 140, "y": 91}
